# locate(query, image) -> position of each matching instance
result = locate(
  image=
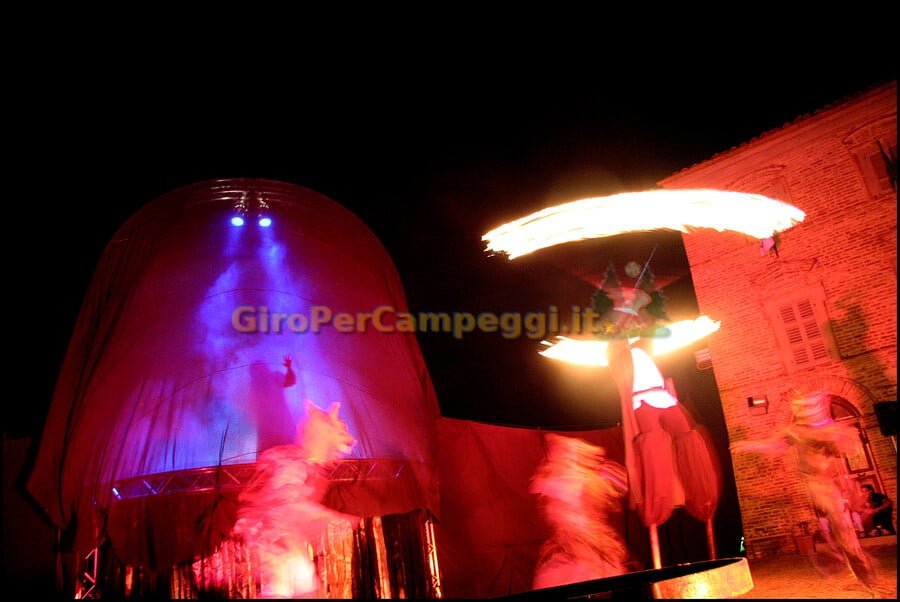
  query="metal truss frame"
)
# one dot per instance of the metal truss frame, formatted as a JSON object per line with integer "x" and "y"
{"x": 237, "y": 476}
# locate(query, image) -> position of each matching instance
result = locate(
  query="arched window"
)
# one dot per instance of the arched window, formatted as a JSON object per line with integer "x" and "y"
{"x": 859, "y": 461}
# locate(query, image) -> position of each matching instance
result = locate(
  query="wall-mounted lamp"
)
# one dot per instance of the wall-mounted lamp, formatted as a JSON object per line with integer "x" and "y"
{"x": 758, "y": 404}
{"x": 703, "y": 359}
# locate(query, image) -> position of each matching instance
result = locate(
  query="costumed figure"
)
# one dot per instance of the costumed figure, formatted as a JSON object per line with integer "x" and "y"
{"x": 819, "y": 442}
{"x": 668, "y": 457}
{"x": 280, "y": 513}
{"x": 583, "y": 494}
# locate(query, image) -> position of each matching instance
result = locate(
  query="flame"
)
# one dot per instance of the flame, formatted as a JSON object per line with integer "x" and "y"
{"x": 682, "y": 210}
{"x": 576, "y": 351}
{"x": 293, "y": 575}
{"x": 593, "y": 352}
{"x": 684, "y": 333}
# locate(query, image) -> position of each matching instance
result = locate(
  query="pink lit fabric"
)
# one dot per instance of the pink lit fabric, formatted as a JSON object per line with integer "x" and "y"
{"x": 156, "y": 377}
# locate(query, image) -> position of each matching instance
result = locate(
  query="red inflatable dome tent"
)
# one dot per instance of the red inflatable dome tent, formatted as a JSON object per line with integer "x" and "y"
{"x": 168, "y": 392}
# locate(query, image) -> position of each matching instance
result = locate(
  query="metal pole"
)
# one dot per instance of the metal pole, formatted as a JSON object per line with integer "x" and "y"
{"x": 654, "y": 547}
{"x": 710, "y": 539}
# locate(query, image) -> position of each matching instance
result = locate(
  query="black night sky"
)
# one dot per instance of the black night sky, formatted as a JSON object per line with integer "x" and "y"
{"x": 429, "y": 161}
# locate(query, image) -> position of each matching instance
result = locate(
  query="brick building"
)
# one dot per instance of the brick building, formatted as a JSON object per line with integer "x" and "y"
{"x": 817, "y": 311}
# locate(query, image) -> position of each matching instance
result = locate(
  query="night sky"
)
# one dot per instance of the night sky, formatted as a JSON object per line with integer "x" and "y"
{"x": 429, "y": 162}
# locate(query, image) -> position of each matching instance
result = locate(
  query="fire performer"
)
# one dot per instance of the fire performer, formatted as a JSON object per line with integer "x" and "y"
{"x": 667, "y": 456}
{"x": 672, "y": 461}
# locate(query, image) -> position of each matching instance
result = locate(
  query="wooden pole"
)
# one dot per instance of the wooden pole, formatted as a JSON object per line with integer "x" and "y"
{"x": 710, "y": 539}
{"x": 654, "y": 547}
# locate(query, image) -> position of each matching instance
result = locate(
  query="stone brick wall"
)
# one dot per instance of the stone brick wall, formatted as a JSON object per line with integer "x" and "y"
{"x": 846, "y": 249}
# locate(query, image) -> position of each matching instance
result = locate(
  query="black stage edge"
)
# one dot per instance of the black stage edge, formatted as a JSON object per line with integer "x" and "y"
{"x": 722, "y": 578}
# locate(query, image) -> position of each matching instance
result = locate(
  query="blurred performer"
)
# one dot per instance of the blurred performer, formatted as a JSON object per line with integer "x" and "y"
{"x": 280, "y": 513}
{"x": 819, "y": 442}
{"x": 583, "y": 494}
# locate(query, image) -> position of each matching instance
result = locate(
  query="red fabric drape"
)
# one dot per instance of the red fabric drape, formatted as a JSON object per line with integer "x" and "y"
{"x": 157, "y": 378}
{"x": 700, "y": 475}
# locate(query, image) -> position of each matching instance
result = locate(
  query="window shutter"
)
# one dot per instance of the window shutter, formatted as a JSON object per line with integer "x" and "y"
{"x": 877, "y": 164}
{"x": 880, "y": 175}
{"x": 808, "y": 345}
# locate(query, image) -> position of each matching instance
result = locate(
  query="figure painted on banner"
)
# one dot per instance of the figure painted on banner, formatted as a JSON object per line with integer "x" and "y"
{"x": 875, "y": 515}
{"x": 583, "y": 494}
{"x": 819, "y": 442}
